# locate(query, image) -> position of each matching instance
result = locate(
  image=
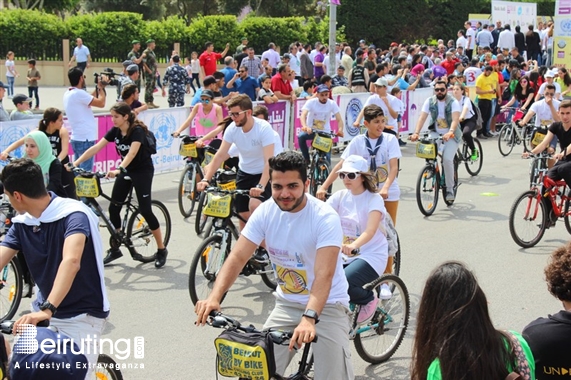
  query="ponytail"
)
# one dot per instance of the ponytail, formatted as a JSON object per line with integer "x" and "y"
{"x": 51, "y": 115}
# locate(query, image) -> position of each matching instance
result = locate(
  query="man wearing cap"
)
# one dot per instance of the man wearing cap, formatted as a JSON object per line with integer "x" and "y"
{"x": 316, "y": 114}
{"x": 241, "y": 47}
{"x": 339, "y": 79}
{"x": 176, "y": 78}
{"x": 244, "y": 83}
{"x": 209, "y": 57}
{"x": 124, "y": 78}
{"x": 81, "y": 55}
{"x": 149, "y": 72}
{"x": 136, "y": 57}
{"x": 549, "y": 75}
{"x": 389, "y": 104}
{"x": 22, "y": 111}
{"x": 488, "y": 90}
{"x": 3, "y": 114}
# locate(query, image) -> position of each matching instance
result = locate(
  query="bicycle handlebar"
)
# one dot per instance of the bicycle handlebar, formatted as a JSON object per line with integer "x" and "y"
{"x": 215, "y": 189}
{"x": 7, "y": 326}
{"x": 87, "y": 173}
{"x": 324, "y": 133}
{"x": 538, "y": 155}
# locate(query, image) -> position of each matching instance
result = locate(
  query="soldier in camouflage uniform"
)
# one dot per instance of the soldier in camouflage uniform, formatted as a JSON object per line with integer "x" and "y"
{"x": 177, "y": 79}
{"x": 136, "y": 57}
{"x": 150, "y": 72}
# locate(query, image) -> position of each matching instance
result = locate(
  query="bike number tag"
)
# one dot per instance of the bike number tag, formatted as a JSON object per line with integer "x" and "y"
{"x": 228, "y": 186}
{"x": 324, "y": 144}
{"x": 538, "y": 139}
{"x": 218, "y": 206}
{"x": 427, "y": 151}
{"x": 86, "y": 187}
{"x": 188, "y": 150}
{"x": 208, "y": 156}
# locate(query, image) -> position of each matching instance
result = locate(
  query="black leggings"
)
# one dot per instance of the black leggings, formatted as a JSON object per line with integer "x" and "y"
{"x": 142, "y": 181}
{"x": 469, "y": 126}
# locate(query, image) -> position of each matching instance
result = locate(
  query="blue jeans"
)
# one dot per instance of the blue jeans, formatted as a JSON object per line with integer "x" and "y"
{"x": 359, "y": 273}
{"x": 302, "y": 139}
{"x": 10, "y": 81}
{"x": 79, "y": 147}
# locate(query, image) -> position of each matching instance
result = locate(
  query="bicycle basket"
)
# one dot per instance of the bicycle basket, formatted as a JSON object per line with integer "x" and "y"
{"x": 322, "y": 143}
{"x": 426, "y": 150}
{"x": 226, "y": 180}
{"x": 538, "y": 136}
{"x": 218, "y": 206}
{"x": 208, "y": 156}
{"x": 87, "y": 187}
{"x": 245, "y": 355}
{"x": 188, "y": 150}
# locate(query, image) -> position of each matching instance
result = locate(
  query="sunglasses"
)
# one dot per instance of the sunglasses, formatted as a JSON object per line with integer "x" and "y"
{"x": 351, "y": 176}
{"x": 236, "y": 114}
{"x": 439, "y": 90}
{"x": 205, "y": 101}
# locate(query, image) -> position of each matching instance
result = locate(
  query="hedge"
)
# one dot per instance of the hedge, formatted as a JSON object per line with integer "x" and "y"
{"x": 108, "y": 35}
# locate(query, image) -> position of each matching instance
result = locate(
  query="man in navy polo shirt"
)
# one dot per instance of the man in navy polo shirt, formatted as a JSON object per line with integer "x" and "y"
{"x": 245, "y": 83}
{"x": 62, "y": 246}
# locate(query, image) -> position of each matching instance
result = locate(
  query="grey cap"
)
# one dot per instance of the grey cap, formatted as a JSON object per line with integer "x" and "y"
{"x": 382, "y": 82}
{"x": 21, "y": 98}
{"x": 127, "y": 63}
{"x": 132, "y": 68}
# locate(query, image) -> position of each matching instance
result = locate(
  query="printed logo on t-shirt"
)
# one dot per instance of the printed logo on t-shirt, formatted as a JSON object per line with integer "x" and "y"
{"x": 292, "y": 281}
{"x": 256, "y": 142}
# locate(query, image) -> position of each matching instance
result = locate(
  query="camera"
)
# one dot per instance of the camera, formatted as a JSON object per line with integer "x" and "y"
{"x": 106, "y": 77}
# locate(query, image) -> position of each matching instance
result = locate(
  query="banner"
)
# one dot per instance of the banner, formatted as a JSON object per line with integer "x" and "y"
{"x": 297, "y": 120}
{"x": 512, "y": 13}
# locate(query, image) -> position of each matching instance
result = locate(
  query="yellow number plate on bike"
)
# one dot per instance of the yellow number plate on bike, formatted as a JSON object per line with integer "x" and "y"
{"x": 427, "y": 151}
{"x": 86, "y": 187}
{"x": 218, "y": 206}
{"x": 537, "y": 139}
{"x": 208, "y": 159}
{"x": 188, "y": 150}
{"x": 324, "y": 144}
{"x": 228, "y": 186}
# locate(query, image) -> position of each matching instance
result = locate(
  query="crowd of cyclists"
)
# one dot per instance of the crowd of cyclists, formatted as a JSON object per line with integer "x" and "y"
{"x": 335, "y": 243}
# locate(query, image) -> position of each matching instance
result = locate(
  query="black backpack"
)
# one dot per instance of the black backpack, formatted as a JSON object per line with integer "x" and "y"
{"x": 478, "y": 114}
{"x": 151, "y": 142}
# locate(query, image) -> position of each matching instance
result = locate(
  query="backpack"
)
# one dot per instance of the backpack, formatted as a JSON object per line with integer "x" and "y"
{"x": 151, "y": 142}
{"x": 478, "y": 113}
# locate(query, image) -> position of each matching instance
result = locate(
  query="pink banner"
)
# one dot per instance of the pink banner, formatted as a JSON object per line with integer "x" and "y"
{"x": 297, "y": 120}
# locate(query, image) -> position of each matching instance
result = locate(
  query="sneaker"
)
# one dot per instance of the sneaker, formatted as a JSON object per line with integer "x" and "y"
{"x": 474, "y": 155}
{"x": 161, "y": 257}
{"x": 367, "y": 311}
{"x": 112, "y": 255}
{"x": 450, "y": 196}
{"x": 402, "y": 143}
{"x": 386, "y": 293}
{"x": 494, "y": 133}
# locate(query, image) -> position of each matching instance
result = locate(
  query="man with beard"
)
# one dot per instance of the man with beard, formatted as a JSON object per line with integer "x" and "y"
{"x": 254, "y": 140}
{"x": 316, "y": 114}
{"x": 444, "y": 112}
{"x": 303, "y": 236}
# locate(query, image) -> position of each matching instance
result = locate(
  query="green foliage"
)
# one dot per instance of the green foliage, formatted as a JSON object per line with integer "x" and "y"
{"x": 150, "y": 9}
{"x": 281, "y": 31}
{"x": 318, "y": 30}
{"x": 216, "y": 29}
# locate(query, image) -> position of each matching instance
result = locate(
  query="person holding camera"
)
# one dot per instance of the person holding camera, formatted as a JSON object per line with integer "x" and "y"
{"x": 77, "y": 104}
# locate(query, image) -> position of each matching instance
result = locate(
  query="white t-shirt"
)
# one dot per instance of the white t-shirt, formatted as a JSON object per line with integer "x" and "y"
{"x": 462, "y": 41}
{"x": 354, "y": 213}
{"x": 466, "y": 103}
{"x": 79, "y": 115}
{"x": 250, "y": 145}
{"x": 292, "y": 241}
{"x": 393, "y": 101}
{"x": 542, "y": 111}
{"x": 278, "y": 148}
{"x": 319, "y": 115}
{"x": 557, "y": 88}
{"x": 9, "y": 64}
{"x": 389, "y": 149}
{"x": 295, "y": 64}
{"x": 471, "y": 74}
{"x": 471, "y": 33}
{"x": 441, "y": 124}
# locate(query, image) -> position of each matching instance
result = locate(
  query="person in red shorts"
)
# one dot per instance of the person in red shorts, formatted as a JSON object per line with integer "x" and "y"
{"x": 209, "y": 58}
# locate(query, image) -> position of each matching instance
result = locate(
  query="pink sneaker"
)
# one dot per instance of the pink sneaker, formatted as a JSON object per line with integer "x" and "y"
{"x": 367, "y": 311}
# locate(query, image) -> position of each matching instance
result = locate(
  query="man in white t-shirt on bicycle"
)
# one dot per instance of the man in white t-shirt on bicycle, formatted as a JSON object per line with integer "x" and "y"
{"x": 389, "y": 104}
{"x": 303, "y": 237}
{"x": 316, "y": 113}
{"x": 545, "y": 109}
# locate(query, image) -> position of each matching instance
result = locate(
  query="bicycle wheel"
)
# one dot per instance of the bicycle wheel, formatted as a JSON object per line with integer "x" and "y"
{"x": 506, "y": 140}
{"x": 11, "y": 284}
{"x": 205, "y": 265}
{"x": 450, "y": 203}
{"x": 313, "y": 185}
{"x": 527, "y": 132}
{"x": 201, "y": 220}
{"x": 528, "y": 219}
{"x": 473, "y": 167}
{"x": 267, "y": 273}
{"x": 566, "y": 216}
{"x": 381, "y": 337}
{"x": 427, "y": 186}
{"x": 396, "y": 258}
{"x": 107, "y": 369}
{"x": 187, "y": 192}
{"x": 324, "y": 171}
{"x": 140, "y": 235}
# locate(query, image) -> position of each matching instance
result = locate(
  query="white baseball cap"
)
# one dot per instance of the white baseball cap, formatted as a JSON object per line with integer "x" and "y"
{"x": 354, "y": 164}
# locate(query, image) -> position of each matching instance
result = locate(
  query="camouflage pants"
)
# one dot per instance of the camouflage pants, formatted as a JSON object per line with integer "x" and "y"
{"x": 176, "y": 99}
{"x": 149, "y": 87}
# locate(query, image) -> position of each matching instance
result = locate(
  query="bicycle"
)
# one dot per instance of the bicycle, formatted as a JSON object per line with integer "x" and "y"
{"x": 375, "y": 341}
{"x": 226, "y": 179}
{"x": 430, "y": 181}
{"x": 319, "y": 167}
{"x": 531, "y": 208}
{"x": 106, "y": 368}
{"x": 11, "y": 276}
{"x": 473, "y": 166}
{"x": 135, "y": 233}
{"x": 512, "y": 134}
{"x": 190, "y": 176}
{"x": 215, "y": 248}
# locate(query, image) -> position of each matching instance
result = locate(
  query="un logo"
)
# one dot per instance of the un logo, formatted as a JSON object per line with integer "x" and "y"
{"x": 162, "y": 126}
{"x": 353, "y": 108}
{"x": 8, "y": 136}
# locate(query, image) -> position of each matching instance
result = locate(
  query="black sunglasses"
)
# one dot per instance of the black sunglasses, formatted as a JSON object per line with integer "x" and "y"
{"x": 440, "y": 89}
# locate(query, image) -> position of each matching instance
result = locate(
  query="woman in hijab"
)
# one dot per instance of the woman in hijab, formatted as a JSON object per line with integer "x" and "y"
{"x": 39, "y": 149}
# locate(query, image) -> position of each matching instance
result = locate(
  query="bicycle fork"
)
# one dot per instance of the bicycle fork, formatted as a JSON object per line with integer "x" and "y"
{"x": 215, "y": 259}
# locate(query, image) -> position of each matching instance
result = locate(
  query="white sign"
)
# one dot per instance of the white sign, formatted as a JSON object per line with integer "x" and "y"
{"x": 513, "y": 14}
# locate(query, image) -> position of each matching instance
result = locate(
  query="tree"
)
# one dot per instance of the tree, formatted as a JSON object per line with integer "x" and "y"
{"x": 47, "y": 5}
{"x": 150, "y": 9}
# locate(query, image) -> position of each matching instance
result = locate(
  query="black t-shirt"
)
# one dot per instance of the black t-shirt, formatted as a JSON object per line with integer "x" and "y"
{"x": 55, "y": 141}
{"x": 521, "y": 97}
{"x": 563, "y": 136}
{"x": 372, "y": 79}
{"x": 550, "y": 341}
{"x": 142, "y": 160}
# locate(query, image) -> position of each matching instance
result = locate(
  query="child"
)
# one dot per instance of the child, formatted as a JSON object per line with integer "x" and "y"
{"x": 188, "y": 68}
{"x": 33, "y": 77}
{"x": 11, "y": 73}
{"x": 397, "y": 93}
{"x": 307, "y": 92}
{"x": 22, "y": 111}
{"x": 195, "y": 65}
{"x": 266, "y": 94}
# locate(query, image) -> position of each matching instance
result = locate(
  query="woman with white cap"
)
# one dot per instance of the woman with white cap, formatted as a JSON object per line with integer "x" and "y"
{"x": 365, "y": 247}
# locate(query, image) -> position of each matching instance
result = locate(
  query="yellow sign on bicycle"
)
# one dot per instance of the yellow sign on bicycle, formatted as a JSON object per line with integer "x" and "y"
{"x": 427, "y": 151}
{"x": 188, "y": 150}
{"x": 218, "y": 206}
{"x": 324, "y": 144}
{"x": 208, "y": 156}
{"x": 87, "y": 187}
{"x": 537, "y": 139}
{"x": 228, "y": 185}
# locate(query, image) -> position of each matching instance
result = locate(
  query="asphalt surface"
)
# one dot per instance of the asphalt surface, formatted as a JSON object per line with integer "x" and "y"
{"x": 155, "y": 303}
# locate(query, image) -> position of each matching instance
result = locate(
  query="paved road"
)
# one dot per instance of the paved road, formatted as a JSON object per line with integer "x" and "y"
{"x": 155, "y": 304}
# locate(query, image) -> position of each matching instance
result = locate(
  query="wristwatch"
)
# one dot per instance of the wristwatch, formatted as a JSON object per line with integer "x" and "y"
{"x": 260, "y": 186}
{"x": 311, "y": 314}
{"x": 122, "y": 169}
{"x": 47, "y": 305}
